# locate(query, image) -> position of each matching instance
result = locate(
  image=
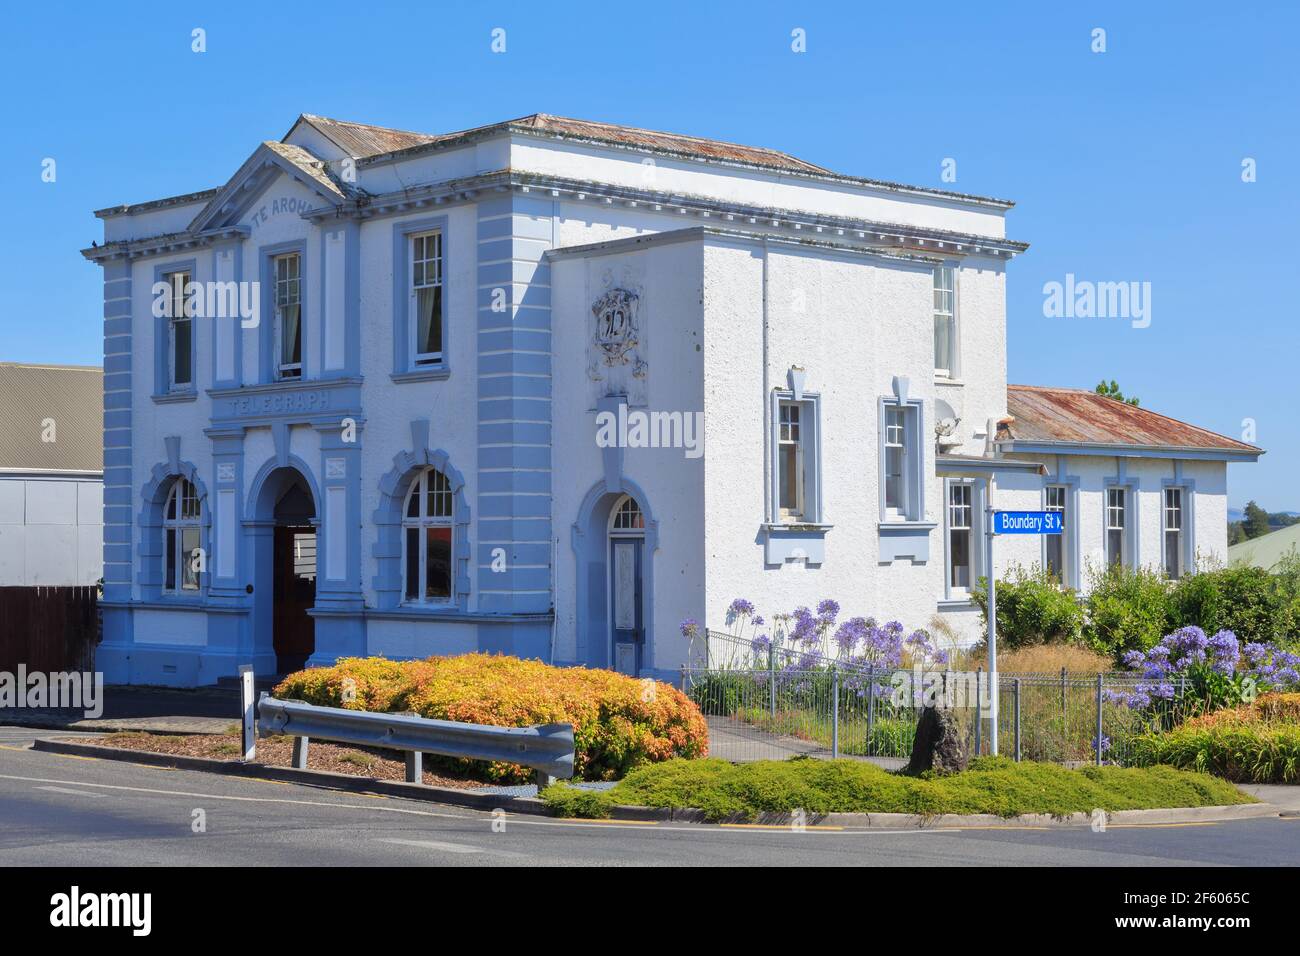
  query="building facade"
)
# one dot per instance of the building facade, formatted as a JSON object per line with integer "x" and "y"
{"x": 51, "y": 475}
{"x": 550, "y": 387}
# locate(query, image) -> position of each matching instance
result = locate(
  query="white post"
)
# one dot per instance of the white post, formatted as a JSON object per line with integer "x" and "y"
{"x": 246, "y": 707}
{"x": 993, "y": 618}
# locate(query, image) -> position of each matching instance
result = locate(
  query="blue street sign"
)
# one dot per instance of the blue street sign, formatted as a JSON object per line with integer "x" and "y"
{"x": 1027, "y": 522}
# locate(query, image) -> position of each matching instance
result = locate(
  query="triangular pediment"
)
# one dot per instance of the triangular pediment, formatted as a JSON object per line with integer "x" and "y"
{"x": 269, "y": 162}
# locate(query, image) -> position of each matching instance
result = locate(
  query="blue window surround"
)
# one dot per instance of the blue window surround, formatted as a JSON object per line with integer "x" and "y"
{"x": 802, "y": 539}
{"x": 150, "y": 554}
{"x": 267, "y": 346}
{"x": 1132, "y": 520}
{"x": 1188, "y": 487}
{"x": 908, "y": 537}
{"x": 162, "y": 390}
{"x": 236, "y": 250}
{"x": 403, "y": 371}
{"x": 978, "y": 503}
{"x": 1073, "y": 573}
{"x": 351, "y": 234}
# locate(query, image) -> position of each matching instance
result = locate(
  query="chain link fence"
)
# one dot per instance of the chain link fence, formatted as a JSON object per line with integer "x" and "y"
{"x": 770, "y": 703}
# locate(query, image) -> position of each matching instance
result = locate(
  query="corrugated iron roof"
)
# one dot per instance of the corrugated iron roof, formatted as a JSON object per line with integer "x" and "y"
{"x": 362, "y": 139}
{"x": 72, "y": 396}
{"x": 1040, "y": 413}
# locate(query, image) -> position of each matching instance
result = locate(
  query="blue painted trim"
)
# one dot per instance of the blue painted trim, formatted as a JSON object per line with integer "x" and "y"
{"x": 266, "y": 344}
{"x": 387, "y": 519}
{"x": 118, "y": 434}
{"x": 402, "y": 233}
{"x": 978, "y": 504}
{"x": 150, "y": 553}
{"x": 1136, "y": 451}
{"x": 333, "y": 591}
{"x": 162, "y": 390}
{"x": 813, "y": 502}
{"x": 1188, "y": 486}
{"x": 589, "y": 538}
{"x": 351, "y": 233}
{"x": 1132, "y": 512}
{"x": 915, "y": 469}
{"x": 236, "y": 250}
{"x": 1073, "y": 558}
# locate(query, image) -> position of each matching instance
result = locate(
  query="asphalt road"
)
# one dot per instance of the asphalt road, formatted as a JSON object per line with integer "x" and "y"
{"x": 71, "y": 811}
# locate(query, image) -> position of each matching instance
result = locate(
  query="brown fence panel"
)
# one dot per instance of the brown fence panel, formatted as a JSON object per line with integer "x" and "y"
{"x": 48, "y": 629}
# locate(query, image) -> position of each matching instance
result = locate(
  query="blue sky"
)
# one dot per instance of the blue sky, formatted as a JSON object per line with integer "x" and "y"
{"x": 1125, "y": 165}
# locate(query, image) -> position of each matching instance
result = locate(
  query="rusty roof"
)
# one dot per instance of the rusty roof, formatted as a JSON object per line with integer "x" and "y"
{"x": 1039, "y": 413}
{"x": 71, "y": 398}
{"x": 362, "y": 139}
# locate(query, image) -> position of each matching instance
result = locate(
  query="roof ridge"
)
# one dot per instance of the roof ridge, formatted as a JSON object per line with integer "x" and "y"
{"x": 311, "y": 117}
{"x": 664, "y": 132}
{"x": 53, "y": 365}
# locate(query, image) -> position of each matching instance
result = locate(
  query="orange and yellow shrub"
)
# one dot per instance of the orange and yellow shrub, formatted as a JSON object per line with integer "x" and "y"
{"x": 619, "y": 722}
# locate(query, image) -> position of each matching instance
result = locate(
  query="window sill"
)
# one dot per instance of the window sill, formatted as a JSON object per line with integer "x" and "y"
{"x": 957, "y": 604}
{"x": 434, "y": 374}
{"x": 948, "y": 380}
{"x": 904, "y": 525}
{"x": 804, "y": 541}
{"x": 802, "y": 527}
{"x": 170, "y": 398}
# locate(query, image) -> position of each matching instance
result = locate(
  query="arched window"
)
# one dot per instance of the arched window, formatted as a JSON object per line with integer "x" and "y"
{"x": 181, "y": 516}
{"x": 627, "y": 516}
{"x": 427, "y": 535}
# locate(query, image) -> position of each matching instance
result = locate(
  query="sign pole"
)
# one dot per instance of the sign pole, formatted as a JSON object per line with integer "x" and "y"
{"x": 993, "y": 619}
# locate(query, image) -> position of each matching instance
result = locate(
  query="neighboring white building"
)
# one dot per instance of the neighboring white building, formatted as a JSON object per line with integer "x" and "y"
{"x": 408, "y": 451}
{"x": 51, "y": 475}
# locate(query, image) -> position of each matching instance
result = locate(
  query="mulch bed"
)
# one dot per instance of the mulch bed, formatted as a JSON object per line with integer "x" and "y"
{"x": 278, "y": 752}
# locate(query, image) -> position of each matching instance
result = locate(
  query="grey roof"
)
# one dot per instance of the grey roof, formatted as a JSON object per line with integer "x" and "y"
{"x": 72, "y": 397}
{"x": 1268, "y": 549}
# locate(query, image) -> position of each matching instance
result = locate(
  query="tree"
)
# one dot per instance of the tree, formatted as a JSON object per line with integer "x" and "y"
{"x": 1255, "y": 521}
{"x": 1112, "y": 391}
{"x": 1236, "y": 533}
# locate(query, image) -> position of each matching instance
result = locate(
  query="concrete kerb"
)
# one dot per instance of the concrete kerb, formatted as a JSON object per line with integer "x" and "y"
{"x": 490, "y": 801}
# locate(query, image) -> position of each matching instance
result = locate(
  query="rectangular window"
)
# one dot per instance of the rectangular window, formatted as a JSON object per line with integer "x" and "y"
{"x": 426, "y": 298}
{"x": 895, "y": 460}
{"x": 959, "y": 536}
{"x": 1173, "y": 533}
{"x": 180, "y": 334}
{"x": 1054, "y": 500}
{"x": 945, "y": 321}
{"x": 288, "y": 315}
{"x": 790, "y": 461}
{"x": 1116, "y": 521}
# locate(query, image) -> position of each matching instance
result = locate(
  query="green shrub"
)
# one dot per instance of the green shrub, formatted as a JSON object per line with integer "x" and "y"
{"x": 1252, "y": 603}
{"x": 1127, "y": 610}
{"x": 1032, "y": 609}
{"x": 1259, "y": 753}
{"x": 993, "y": 785}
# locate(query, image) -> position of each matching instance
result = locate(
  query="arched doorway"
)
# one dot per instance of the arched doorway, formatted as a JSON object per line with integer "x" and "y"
{"x": 614, "y": 540}
{"x": 626, "y": 534}
{"x": 285, "y": 562}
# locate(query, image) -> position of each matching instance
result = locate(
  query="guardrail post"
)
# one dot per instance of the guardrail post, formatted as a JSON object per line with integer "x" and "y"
{"x": 835, "y": 712}
{"x": 246, "y": 700}
{"x": 544, "y": 780}
{"x": 414, "y": 766}
{"x": 1098, "y": 741}
{"x": 300, "y": 745}
{"x": 1016, "y": 685}
{"x": 979, "y": 710}
{"x": 871, "y": 706}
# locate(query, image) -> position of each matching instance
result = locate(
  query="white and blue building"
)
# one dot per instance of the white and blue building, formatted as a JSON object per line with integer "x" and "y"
{"x": 549, "y": 387}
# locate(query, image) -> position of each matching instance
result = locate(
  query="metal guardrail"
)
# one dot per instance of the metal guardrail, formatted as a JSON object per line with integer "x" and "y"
{"x": 547, "y": 748}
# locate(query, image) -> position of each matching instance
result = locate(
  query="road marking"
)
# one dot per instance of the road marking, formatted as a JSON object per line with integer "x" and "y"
{"x": 78, "y": 793}
{"x": 434, "y": 845}
{"x": 779, "y": 826}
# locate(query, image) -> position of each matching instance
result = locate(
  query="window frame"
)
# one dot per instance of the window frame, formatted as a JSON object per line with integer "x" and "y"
{"x": 787, "y": 427}
{"x": 1109, "y": 510}
{"x": 176, "y": 524}
{"x": 954, "y": 359}
{"x": 421, "y": 361}
{"x": 186, "y": 316}
{"x": 268, "y": 331}
{"x": 912, "y": 460}
{"x": 1060, "y": 540}
{"x": 1180, "y": 509}
{"x": 280, "y": 368}
{"x": 405, "y": 368}
{"x": 164, "y": 389}
{"x": 421, "y": 521}
{"x": 808, "y": 460}
{"x": 952, "y": 590}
